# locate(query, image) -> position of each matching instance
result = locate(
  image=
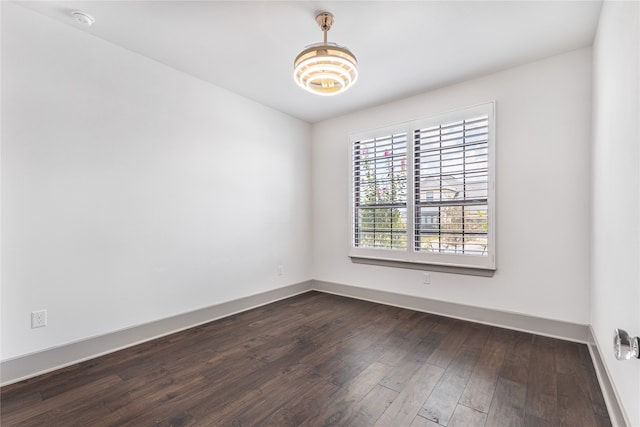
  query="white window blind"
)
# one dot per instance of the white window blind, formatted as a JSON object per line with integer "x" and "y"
{"x": 423, "y": 191}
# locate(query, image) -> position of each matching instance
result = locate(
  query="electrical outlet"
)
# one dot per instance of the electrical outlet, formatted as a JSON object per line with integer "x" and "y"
{"x": 38, "y": 319}
{"x": 280, "y": 269}
{"x": 426, "y": 279}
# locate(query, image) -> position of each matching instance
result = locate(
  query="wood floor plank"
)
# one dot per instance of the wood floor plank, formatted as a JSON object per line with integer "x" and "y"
{"x": 574, "y": 405}
{"x": 412, "y": 362}
{"x": 533, "y": 421}
{"x": 51, "y": 406}
{"x": 164, "y": 400}
{"x": 308, "y": 404}
{"x": 405, "y": 335}
{"x": 418, "y": 421}
{"x": 341, "y": 371}
{"x": 82, "y": 413}
{"x": 567, "y": 357}
{"x": 515, "y": 366}
{"x": 442, "y": 402}
{"x": 479, "y": 390}
{"x": 589, "y": 378}
{"x": 477, "y": 339}
{"x": 13, "y": 402}
{"x": 147, "y": 390}
{"x": 467, "y": 417}
{"x": 22, "y": 390}
{"x": 371, "y": 407}
{"x": 507, "y": 407}
{"x": 449, "y": 346}
{"x": 319, "y": 359}
{"x": 542, "y": 384}
{"x": 239, "y": 399}
{"x": 399, "y": 347}
{"x": 364, "y": 350}
{"x": 343, "y": 403}
{"x": 407, "y": 404}
{"x": 305, "y": 393}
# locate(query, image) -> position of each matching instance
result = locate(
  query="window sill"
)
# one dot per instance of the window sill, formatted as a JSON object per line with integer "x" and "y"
{"x": 470, "y": 271}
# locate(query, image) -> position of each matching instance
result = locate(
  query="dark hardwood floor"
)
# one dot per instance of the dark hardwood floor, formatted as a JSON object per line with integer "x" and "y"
{"x": 318, "y": 359}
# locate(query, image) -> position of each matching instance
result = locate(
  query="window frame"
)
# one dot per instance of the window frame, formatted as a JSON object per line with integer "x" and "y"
{"x": 410, "y": 255}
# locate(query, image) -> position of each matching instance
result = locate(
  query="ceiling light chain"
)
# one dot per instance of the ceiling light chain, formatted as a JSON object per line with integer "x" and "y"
{"x": 325, "y": 68}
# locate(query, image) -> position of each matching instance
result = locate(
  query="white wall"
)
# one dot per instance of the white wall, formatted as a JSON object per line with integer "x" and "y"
{"x": 615, "y": 289}
{"x": 543, "y": 133}
{"x": 132, "y": 192}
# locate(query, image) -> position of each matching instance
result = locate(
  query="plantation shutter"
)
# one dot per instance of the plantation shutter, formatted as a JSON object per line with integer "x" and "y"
{"x": 380, "y": 192}
{"x": 451, "y": 173}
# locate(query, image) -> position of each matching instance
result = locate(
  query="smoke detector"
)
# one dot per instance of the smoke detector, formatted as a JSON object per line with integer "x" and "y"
{"x": 82, "y": 17}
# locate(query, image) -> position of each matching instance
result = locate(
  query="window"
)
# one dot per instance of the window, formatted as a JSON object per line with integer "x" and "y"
{"x": 423, "y": 191}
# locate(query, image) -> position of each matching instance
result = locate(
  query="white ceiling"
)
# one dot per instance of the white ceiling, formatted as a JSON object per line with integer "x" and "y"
{"x": 403, "y": 47}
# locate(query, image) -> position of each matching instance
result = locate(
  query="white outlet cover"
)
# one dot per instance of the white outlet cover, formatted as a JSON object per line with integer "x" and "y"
{"x": 38, "y": 319}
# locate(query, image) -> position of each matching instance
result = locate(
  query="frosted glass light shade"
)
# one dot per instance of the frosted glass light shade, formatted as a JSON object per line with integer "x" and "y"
{"x": 325, "y": 69}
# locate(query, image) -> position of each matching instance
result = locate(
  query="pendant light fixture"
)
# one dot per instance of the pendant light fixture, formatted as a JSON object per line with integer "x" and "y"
{"x": 325, "y": 68}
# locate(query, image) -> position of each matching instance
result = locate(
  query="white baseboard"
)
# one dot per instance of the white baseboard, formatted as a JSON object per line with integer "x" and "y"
{"x": 616, "y": 414}
{"x": 31, "y": 365}
{"x": 504, "y": 319}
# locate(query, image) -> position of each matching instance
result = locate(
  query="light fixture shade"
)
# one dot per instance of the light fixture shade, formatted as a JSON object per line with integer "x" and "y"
{"x": 325, "y": 68}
